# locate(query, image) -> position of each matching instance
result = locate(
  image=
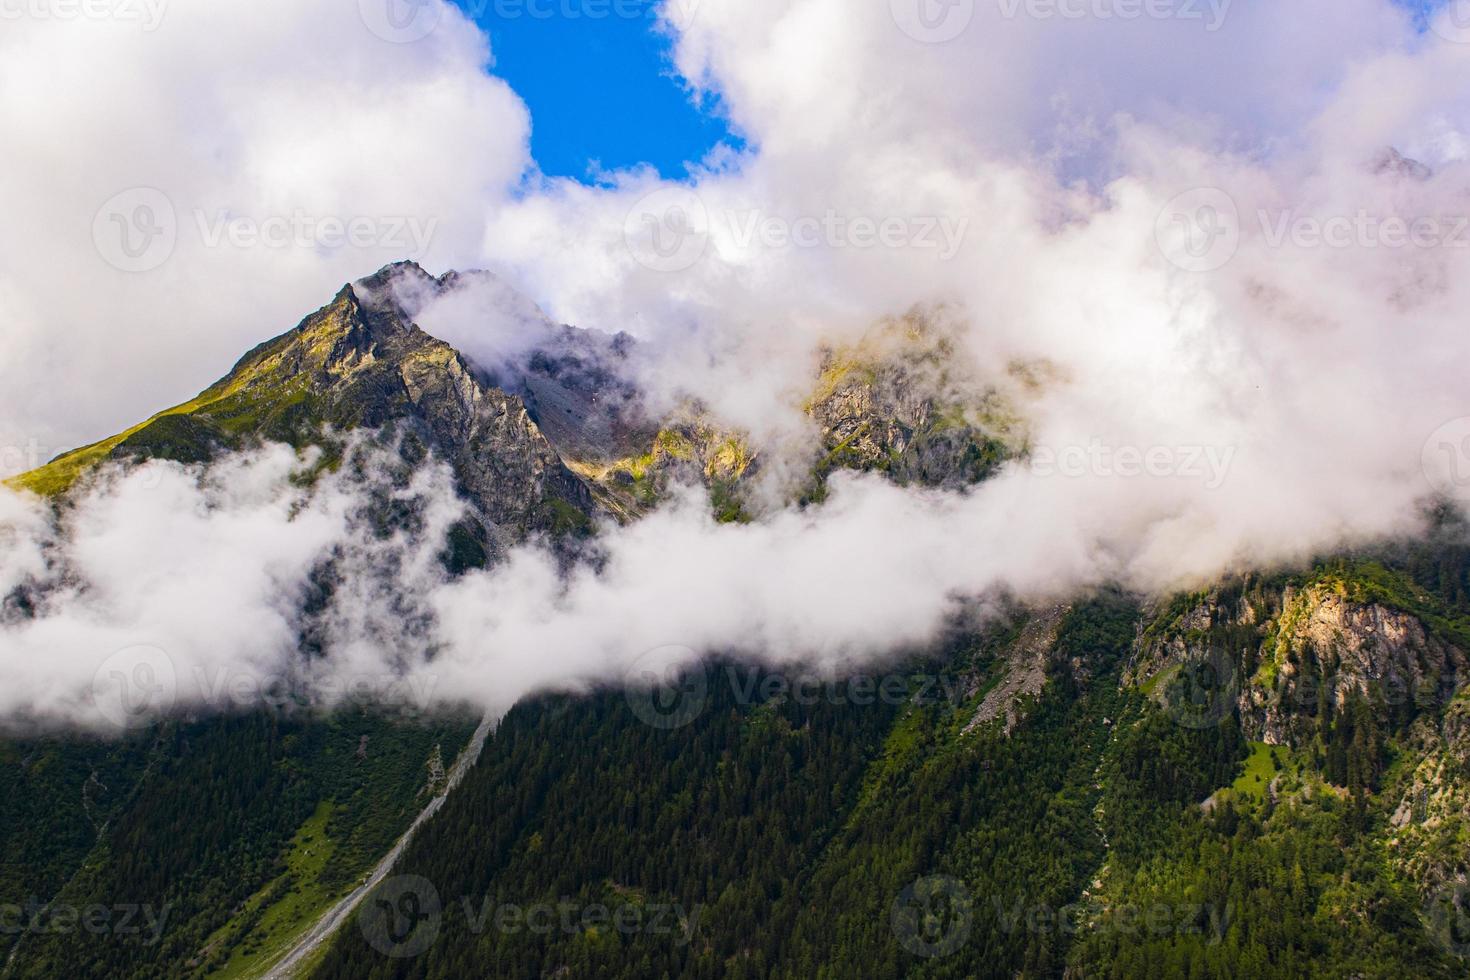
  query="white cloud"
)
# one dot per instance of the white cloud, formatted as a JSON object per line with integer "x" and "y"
{"x": 169, "y": 588}
{"x": 214, "y": 573}
{"x": 1057, "y": 145}
{"x": 288, "y": 149}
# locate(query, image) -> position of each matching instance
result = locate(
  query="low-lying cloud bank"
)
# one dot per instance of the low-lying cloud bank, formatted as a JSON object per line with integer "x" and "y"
{"x": 165, "y": 585}
{"x": 171, "y": 589}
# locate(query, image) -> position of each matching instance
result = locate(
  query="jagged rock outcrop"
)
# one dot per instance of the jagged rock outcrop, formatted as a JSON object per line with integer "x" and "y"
{"x": 576, "y": 387}
{"x": 1282, "y": 654}
{"x": 689, "y": 450}
{"x": 1392, "y": 163}
{"x": 890, "y": 404}
{"x": 1326, "y": 647}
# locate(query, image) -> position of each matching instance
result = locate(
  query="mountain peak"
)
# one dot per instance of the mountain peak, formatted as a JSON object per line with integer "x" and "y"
{"x": 399, "y": 287}
{"x": 404, "y": 268}
{"x": 340, "y": 338}
{"x": 1391, "y": 163}
{"x": 360, "y": 362}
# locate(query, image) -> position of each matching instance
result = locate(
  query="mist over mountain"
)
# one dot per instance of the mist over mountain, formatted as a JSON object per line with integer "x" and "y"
{"x": 998, "y": 511}
{"x": 571, "y": 518}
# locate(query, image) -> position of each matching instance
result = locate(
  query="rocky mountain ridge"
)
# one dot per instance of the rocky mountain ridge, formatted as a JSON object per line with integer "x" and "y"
{"x": 363, "y": 365}
{"x": 560, "y": 436}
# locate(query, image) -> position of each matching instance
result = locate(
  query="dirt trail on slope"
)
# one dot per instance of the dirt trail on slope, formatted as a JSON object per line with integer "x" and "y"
{"x": 312, "y": 940}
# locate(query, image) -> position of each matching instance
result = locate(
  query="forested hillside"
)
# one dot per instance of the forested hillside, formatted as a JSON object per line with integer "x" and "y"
{"x": 206, "y": 843}
{"x": 1111, "y": 833}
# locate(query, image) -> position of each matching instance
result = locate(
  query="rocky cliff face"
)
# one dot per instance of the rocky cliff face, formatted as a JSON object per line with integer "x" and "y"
{"x": 889, "y": 404}
{"x": 1284, "y": 654}
{"x": 1326, "y": 647}
{"x": 575, "y": 383}
{"x": 689, "y": 450}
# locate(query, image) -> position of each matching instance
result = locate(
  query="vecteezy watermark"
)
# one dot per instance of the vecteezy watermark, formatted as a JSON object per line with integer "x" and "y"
{"x": 1201, "y": 230}
{"x": 402, "y": 917}
{"x": 135, "y": 686}
{"x": 1363, "y": 229}
{"x": 1206, "y": 464}
{"x": 34, "y": 917}
{"x": 1092, "y": 915}
{"x": 1211, "y": 13}
{"x": 407, "y": 234}
{"x": 933, "y": 916}
{"x": 1445, "y": 459}
{"x": 1452, "y": 21}
{"x": 22, "y": 458}
{"x": 231, "y": 689}
{"x": 1391, "y": 689}
{"x": 936, "y": 915}
{"x": 138, "y": 470}
{"x": 668, "y": 687}
{"x": 1203, "y": 691}
{"x": 406, "y": 21}
{"x": 1447, "y": 913}
{"x": 680, "y": 13}
{"x": 147, "y": 13}
{"x": 938, "y": 21}
{"x": 932, "y": 21}
{"x": 670, "y": 229}
{"x": 571, "y": 918}
{"x": 941, "y": 234}
{"x": 667, "y": 230}
{"x": 138, "y": 230}
{"x": 401, "y": 21}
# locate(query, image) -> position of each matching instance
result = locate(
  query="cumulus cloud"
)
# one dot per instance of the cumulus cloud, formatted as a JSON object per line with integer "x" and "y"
{"x": 238, "y": 587}
{"x": 172, "y": 590}
{"x": 178, "y": 189}
{"x": 212, "y": 570}
{"x": 1201, "y": 232}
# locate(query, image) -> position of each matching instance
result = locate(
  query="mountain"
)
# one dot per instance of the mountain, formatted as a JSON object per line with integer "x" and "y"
{"x": 560, "y": 434}
{"x": 363, "y": 364}
{"x": 1072, "y": 793}
{"x": 1269, "y": 776}
{"x": 891, "y": 403}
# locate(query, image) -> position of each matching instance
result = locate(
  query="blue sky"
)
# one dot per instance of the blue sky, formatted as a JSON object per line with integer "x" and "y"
{"x": 601, "y": 90}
